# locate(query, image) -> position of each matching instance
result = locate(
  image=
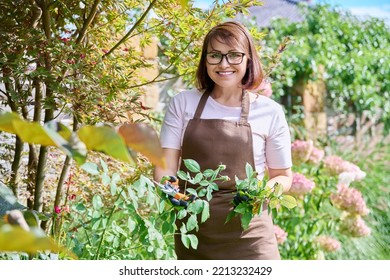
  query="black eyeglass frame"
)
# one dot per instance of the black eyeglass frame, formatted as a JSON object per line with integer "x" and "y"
{"x": 225, "y": 55}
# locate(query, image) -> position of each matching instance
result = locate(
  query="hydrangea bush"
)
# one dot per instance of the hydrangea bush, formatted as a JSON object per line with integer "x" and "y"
{"x": 329, "y": 209}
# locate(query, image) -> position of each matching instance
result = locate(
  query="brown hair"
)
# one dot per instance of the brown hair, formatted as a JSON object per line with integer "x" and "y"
{"x": 233, "y": 34}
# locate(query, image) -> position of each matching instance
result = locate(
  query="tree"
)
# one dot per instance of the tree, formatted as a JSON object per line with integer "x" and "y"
{"x": 79, "y": 59}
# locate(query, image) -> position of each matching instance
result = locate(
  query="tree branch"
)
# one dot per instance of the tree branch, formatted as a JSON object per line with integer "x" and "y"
{"x": 131, "y": 30}
{"x": 88, "y": 21}
{"x": 157, "y": 81}
{"x": 43, "y": 5}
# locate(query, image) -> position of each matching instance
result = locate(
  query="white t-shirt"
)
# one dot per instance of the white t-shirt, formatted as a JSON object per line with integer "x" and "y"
{"x": 270, "y": 132}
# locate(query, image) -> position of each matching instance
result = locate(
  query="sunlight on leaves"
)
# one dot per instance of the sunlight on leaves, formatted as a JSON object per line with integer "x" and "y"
{"x": 143, "y": 139}
{"x": 105, "y": 139}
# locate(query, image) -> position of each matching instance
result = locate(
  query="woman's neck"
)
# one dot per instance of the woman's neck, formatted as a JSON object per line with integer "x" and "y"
{"x": 227, "y": 97}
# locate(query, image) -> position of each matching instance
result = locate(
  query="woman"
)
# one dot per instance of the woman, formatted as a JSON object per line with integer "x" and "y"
{"x": 223, "y": 122}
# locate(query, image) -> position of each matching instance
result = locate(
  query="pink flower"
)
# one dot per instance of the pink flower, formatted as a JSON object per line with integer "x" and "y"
{"x": 301, "y": 185}
{"x": 65, "y": 39}
{"x": 350, "y": 200}
{"x": 66, "y": 209}
{"x": 57, "y": 209}
{"x": 301, "y": 150}
{"x": 316, "y": 155}
{"x": 354, "y": 169}
{"x": 336, "y": 165}
{"x": 327, "y": 243}
{"x": 72, "y": 197}
{"x": 354, "y": 226}
{"x": 280, "y": 234}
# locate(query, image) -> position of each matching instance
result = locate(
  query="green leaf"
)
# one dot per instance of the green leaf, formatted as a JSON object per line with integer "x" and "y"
{"x": 80, "y": 207}
{"x": 33, "y": 133}
{"x": 182, "y": 175}
{"x": 288, "y": 201}
{"x": 143, "y": 139}
{"x": 8, "y": 200}
{"x": 183, "y": 228}
{"x": 230, "y": 216}
{"x": 113, "y": 188}
{"x": 97, "y": 202}
{"x": 209, "y": 194}
{"x": 105, "y": 179}
{"x": 6, "y": 121}
{"x": 248, "y": 170}
{"x": 167, "y": 228}
{"x": 208, "y": 173}
{"x": 192, "y": 165}
{"x": 246, "y": 219}
{"x": 278, "y": 189}
{"x": 195, "y": 207}
{"x": 15, "y": 239}
{"x": 204, "y": 183}
{"x": 274, "y": 202}
{"x": 181, "y": 214}
{"x": 202, "y": 192}
{"x": 192, "y": 191}
{"x": 185, "y": 240}
{"x": 205, "y": 212}
{"x": 192, "y": 223}
{"x": 131, "y": 224}
{"x": 104, "y": 166}
{"x": 91, "y": 168}
{"x": 105, "y": 139}
{"x": 67, "y": 141}
{"x": 183, "y": 3}
{"x": 31, "y": 218}
{"x": 115, "y": 178}
{"x": 193, "y": 240}
{"x": 198, "y": 178}
{"x": 241, "y": 208}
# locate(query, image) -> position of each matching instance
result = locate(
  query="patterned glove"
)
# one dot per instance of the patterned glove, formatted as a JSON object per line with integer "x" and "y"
{"x": 171, "y": 188}
{"x": 241, "y": 196}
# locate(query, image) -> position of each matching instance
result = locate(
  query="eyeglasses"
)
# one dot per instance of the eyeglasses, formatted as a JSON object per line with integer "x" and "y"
{"x": 232, "y": 58}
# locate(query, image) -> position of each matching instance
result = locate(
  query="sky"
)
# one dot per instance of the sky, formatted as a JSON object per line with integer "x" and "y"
{"x": 375, "y": 8}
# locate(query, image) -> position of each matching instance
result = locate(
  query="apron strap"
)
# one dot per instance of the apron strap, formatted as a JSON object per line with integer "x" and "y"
{"x": 202, "y": 103}
{"x": 244, "y": 106}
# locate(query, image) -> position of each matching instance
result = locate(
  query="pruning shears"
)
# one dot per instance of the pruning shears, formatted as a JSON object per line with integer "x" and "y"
{"x": 171, "y": 188}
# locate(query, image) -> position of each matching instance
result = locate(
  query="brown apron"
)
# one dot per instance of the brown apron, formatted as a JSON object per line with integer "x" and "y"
{"x": 211, "y": 142}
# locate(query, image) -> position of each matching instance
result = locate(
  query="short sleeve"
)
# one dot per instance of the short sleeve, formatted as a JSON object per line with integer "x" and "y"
{"x": 278, "y": 143}
{"x": 172, "y": 127}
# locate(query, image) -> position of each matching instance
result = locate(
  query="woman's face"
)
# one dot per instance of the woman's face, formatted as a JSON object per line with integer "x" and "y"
{"x": 224, "y": 74}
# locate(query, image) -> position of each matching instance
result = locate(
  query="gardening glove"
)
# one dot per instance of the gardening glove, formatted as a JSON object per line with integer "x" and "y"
{"x": 171, "y": 188}
{"x": 240, "y": 196}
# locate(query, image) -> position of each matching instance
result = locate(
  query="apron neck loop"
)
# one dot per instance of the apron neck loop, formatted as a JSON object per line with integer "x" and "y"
{"x": 244, "y": 106}
{"x": 202, "y": 103}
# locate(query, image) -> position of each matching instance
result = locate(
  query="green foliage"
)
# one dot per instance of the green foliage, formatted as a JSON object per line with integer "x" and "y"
{"x": 318, "y": 217}
{"x": 349, "y": 54}
{"x": 373, "y": 156}
{"x": 135, "y": 222}
{"x": 89, "y": 63}
{"x": 258, "y": 193}
{"x": 206, "y": 182}
{"x": 314, "y": 216}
